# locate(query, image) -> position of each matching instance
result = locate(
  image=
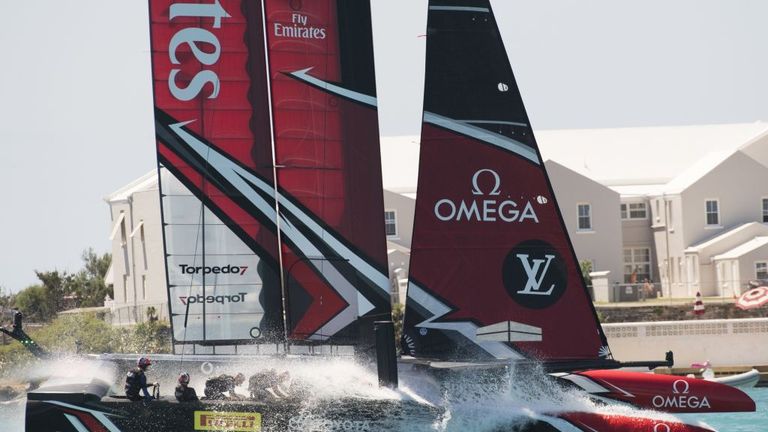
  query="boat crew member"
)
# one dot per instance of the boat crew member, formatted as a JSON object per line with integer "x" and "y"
{"x": 185, "y": 393}
{"x": 216, "y": 387}
{"x": 268, "y": 384}
{"x": 136, "y": 381}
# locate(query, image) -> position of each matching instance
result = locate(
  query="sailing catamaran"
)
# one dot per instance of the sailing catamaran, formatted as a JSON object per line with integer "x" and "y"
{"x": 269, "y": 166}
{"x": 493, "y": 274}
{"x": 270, "y": 188}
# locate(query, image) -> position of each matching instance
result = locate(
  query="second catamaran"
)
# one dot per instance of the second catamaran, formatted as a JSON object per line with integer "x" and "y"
{"x": 493, "y": 275}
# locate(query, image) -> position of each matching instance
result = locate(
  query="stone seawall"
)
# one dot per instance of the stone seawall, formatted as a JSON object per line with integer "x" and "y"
{"x": 656, "y": 311}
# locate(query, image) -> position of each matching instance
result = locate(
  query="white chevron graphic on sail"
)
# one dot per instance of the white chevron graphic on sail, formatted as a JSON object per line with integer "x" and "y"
{"x": 244, "y": 181}
{"x": 468, "y": 329}
{"x": 459, "y": 126}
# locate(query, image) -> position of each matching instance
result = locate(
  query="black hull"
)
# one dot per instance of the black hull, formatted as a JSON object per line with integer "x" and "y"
{"x": 170, "y": 416}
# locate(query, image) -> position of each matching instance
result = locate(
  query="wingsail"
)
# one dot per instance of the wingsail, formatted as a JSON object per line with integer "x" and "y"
{"x": 329, "y": 166}
{"x": 272, "y": 214}
{"x": 493, "y": 274}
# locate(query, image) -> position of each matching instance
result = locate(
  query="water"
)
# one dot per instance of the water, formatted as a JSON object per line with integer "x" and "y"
{"x": 740, "y": 422}
{"x": 473, "y": 401}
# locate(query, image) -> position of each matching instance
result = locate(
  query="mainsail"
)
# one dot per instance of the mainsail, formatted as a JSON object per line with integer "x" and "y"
{"x": 493, "y": 274}
{"x": 272, "y": 214}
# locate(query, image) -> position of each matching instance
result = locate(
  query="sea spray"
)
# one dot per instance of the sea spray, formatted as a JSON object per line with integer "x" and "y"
{"x": 503, "y": 399}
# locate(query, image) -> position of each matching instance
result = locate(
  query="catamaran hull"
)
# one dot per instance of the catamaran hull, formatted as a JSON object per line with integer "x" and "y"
{"x": 342, "y": 415}
{"x": 112, "y": 415}
{"x": 673, "y": 394}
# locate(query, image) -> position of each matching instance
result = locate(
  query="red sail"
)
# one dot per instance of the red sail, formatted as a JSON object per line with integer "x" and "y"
{"x": 328, "y": 167}
{"x": 212, "y": 125}
{"x": 493, "y": 273}
{"x": 234, "y": 80}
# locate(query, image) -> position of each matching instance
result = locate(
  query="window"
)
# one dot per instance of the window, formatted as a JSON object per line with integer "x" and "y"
{"x": 585, "y": 217}
{"x": 143, "y": 287}
{"x": 765, "y": 210}
{"x": 637, "y": 265}
{"x": 761, "y": 270}
{"x": 634, "y": 211}
{"x": 390, "y": 223}
{"x": 669, "y": 221}
{"x": 712, "y": 210}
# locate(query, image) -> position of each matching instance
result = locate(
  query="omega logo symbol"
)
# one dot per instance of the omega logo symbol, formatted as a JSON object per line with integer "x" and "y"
{"x": 487, "y": 204}
{"x": 681, "y": 384}
{"x": 661, "y": 427}
{"x": 497, "y": 182}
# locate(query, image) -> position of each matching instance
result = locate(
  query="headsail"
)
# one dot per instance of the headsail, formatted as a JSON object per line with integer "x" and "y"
{"x": 240, "y": 100}
{"x": 493, "y": 273}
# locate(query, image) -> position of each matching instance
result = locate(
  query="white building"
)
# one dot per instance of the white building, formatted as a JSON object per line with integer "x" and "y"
{"x": 138, "y": 264}
{"x": 685, "y": 207}
{"x": 651, "y": 196}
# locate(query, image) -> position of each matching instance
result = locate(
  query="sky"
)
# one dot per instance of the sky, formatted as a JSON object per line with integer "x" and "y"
{"x": 76, "y": 103}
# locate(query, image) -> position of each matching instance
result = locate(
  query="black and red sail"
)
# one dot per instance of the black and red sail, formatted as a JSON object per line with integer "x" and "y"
{"x": 270, "y": 221}
{"x": 492, "y": 273}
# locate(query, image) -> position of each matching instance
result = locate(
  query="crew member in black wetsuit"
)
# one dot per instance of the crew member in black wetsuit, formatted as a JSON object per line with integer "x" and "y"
{"x": 216, "y": 387}
{"x": 185, "y": 393}
{"x": 136, "y": 381}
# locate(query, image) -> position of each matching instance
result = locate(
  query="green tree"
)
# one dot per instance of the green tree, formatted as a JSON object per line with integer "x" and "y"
{"x": 398, "y": 311}
{"x": 586, "y": 269}
{"x": 6, "y": 303}
{"x": 34, "y": 302}
{"x": 6, "y": 299}
{"x": 57, "y": 285}
{"x": 88, "y": 284}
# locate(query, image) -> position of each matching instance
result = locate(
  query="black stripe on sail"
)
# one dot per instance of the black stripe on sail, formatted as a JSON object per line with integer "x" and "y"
{"x": 466, "y": 77}
{"x": 195, "y": 160}
{"x": 190, "y": 156}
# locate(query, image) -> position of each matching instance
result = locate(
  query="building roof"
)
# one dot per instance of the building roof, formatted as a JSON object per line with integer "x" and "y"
{"x": 647, "y": 155}
{"x": 698, "y": 247}
{"x": 651, "y": 160}
{"x": 743, "y": 249}
{"x": 699, "y": 169}
{"x": 757, "y": 148}
{"x": 146, "y": 182}
{"x": 394, "y": 247}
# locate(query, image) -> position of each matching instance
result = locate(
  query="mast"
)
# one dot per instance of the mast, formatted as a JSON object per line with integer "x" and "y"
{"x": 274, "y": 171}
